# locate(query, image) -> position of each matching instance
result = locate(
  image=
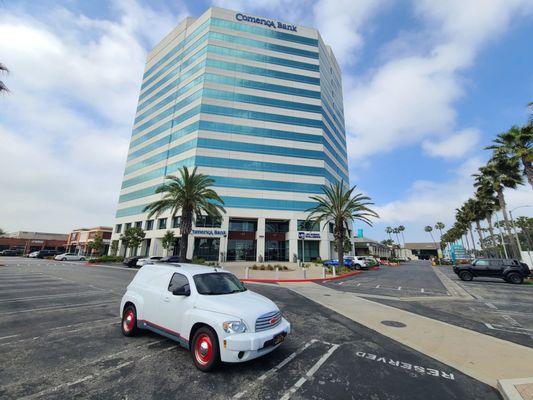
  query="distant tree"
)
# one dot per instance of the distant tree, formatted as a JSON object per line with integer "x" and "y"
{"x": 429, "y": 230}
{"x": 132, "y": 237}
{"x": 2, "y": 232}
{"x": 3, "y": 87}
{"x": 388, "y": 242}
{"x": 168, "y": 241}
{"x": 114, "y": 247}
{"x": 389, "y": 231}
{"x": 96, "y": 245}
{"x": 401, "y": 229}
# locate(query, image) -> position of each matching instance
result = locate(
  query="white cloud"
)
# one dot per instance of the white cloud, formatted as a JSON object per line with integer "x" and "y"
{"x": 412, "y": 96}
{"x": 66, "y": 124}
{"x": 453, "y": 146}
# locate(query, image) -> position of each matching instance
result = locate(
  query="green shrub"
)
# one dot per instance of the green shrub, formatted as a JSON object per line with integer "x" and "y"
{"x": 270, "y": 267}
{"x": 198, "y": 260}
{"x": 262, "y": 268}
{"x": 107, "y": 259}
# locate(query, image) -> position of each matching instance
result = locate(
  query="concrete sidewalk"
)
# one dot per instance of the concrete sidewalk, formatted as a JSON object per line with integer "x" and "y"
{"x": 483, "y": 357}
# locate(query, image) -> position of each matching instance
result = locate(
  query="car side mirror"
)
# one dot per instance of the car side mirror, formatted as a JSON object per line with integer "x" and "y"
{"x": 182, "y": 291}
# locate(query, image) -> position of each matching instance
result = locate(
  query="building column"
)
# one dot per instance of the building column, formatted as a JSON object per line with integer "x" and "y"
{"x": 293, "y": 239}
{"x": 325, "y": 246}
{"x": 223, "y": 250}
{"x": 190, "y": 246}
{"x": 260, "y": 240}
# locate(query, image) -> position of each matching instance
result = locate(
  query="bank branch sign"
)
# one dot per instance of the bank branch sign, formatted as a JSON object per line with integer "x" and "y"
{"x": 209, "y": 232}
{"x": 308, "y": 235}
{"x": 267, "y": 22}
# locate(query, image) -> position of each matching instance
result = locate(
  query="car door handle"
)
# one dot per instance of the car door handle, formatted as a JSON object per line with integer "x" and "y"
{"x": 167, "y": 299}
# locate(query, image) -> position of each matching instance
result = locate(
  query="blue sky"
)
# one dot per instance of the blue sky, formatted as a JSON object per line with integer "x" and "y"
{"x": 426, "y": 86}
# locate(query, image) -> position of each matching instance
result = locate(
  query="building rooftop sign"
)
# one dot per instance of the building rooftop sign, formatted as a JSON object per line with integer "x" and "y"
{"x": 267, "y": 22}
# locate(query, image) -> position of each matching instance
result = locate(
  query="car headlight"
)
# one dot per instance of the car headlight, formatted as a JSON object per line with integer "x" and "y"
{"x": 234, "y": 327}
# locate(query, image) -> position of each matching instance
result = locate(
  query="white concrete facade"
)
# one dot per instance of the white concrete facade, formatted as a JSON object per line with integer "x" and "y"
{"x": 257, "y": 105}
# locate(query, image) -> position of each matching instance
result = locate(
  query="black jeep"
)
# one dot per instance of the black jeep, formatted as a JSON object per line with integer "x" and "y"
{"x": 510, "y": 270}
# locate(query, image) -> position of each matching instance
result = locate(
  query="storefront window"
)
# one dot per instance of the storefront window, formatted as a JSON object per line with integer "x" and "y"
{"x": 304, "y": 225}
{"x": 277, "y": 226}
{"x": 276, "y": 250}
{"x": 241, "y": 250}
{"x": 206, "y": 221}
{"x": 206, "y": 248}
{"x": 242, "y": 225}
{"x": 312, "y": 251}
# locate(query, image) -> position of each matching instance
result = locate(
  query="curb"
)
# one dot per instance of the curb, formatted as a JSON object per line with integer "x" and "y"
{"x": 310, "y": 280}
{"x": 509, "y": 391}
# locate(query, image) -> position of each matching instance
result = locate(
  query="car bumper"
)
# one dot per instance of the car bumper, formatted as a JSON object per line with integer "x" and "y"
{"x": 252, "y": 344}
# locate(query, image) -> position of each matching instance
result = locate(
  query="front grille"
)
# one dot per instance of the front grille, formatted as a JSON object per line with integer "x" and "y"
{"x": 268, "y": 321}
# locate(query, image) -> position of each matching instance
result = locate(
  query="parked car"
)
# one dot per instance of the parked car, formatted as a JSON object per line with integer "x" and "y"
{"x": 147, "y": 260}
{"x": 131, "y": 261}
{"x": 349, "y": 261}
{"x": 206, "y": 310}
{"x": 358, "y": 262}
{"x": 69, "y": 257}
{"x": 43, "y": 253}
{"x": 170, "y": 259}
{"x": 11, "y": 252}
{"x": 510, "y": 270}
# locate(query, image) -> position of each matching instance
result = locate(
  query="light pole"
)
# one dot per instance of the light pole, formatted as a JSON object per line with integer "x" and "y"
{"x": 516, "y": 234}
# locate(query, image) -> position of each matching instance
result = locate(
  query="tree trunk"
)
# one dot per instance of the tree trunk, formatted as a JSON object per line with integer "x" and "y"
{"x": 478, "y": 227}
{"x": 503, "y": 206}
{"x": 528, "y": 169}
{"x": 185, "y": 227}
{"x": 472, "y": 238}
{"x": 340, "y": 245}
{"x": 403, "y": 238}
{"x": 491, "y": 230}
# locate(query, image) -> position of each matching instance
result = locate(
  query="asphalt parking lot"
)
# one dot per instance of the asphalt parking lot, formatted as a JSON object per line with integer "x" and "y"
{"x": 496, "y": 308}
{"x": 60, "y": 338}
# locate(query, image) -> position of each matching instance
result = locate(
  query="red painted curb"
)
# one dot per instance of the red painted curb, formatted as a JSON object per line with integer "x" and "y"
{"x": 333, "y": 278}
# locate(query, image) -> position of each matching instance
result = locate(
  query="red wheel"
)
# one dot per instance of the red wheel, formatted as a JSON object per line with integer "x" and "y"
{"x": 129, "y": 321}
{"x": 204, "y": 350}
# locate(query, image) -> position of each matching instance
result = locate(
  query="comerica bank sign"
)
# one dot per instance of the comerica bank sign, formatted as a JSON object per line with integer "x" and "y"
{"x": 267, "y": 22}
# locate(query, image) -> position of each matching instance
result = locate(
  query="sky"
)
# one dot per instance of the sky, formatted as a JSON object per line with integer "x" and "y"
{"x": 427, "y": 85}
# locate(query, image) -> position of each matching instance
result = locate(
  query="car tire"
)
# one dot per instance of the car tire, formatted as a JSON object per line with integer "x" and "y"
{"x": 82, "y": 259}
{"x": 357, "y": 266}
{"x": 63, "y": 259}
{"x": 204, "y": 349}
{"x": 514, "y": 278}
{"x": 129, "y": 321}
{"x": 466, "y": 276}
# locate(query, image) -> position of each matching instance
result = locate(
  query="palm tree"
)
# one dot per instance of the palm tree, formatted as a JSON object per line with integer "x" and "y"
{"x": 429, "y": 230}
{"x": 3, "y": 87}
{"x": 517, "y": 142}
{"x": 501, "y": 172}
{"x": 440, "y": 226}
{"x": 190, "y": 194}
{"x": 465, "y": 218}
{"x": 401, "y": 228}
{"x": 339, "y": 206}
{"x": 396, "y": 231}
{"x": 389, "y": 231}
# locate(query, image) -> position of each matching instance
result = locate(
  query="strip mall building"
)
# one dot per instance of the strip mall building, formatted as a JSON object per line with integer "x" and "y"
{"x": 256, "y": 104}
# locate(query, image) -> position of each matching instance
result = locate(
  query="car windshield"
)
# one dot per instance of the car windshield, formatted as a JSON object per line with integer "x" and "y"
{"x": 218, "y": 283}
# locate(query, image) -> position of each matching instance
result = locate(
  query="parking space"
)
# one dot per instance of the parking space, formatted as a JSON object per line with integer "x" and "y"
{"x": 497, "y": 308}
{"x": 410, "y": 279}
{"x": 60, "y": 338}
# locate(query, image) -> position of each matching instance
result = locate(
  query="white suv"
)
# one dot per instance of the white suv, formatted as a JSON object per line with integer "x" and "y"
{"x": 206, "y": 310}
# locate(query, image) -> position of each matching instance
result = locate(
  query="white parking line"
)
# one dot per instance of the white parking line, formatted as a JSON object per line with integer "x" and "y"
{"x": 422, "y": 290}
{"x": 377, "y": 286}
{"x": 399, "y": 288}
{"x": 53, "y": 296}
{"x": 10, "y": 336}
{"x": 271, "y": 371}
{"x": 94, "y": 375}
{"x": 309, "y": 373}
{"x": 511, "y": 320}
{"x": 56, "y": 308}
{"x": 490, "y": 305}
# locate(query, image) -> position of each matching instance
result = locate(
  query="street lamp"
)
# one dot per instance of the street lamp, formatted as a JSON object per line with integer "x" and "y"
{"x": 516, "y": 234}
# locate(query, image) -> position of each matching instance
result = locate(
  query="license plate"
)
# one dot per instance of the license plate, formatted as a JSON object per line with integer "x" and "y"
{"x": 278, "y": 339}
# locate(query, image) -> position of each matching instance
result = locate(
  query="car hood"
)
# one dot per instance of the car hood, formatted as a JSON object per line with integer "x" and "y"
{"x": 247, "y": 305}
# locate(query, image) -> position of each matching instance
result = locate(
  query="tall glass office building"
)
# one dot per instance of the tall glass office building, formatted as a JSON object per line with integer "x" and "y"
{"x": 256, "y": 104}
